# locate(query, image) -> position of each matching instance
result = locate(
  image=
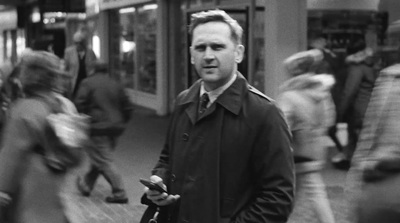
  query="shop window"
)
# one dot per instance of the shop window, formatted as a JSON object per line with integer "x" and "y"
{"x": 146, "y": 48}
{"x": 20, "y": 41}
{"x": 137, "y": 47}
{"x": 8, "y": 45}
{"x": 341, "y": 27}
{"x": 127, "y": 46}
{"x": 259, "y": 44}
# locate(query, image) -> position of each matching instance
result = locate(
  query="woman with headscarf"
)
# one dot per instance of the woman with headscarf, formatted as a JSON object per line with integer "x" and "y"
{"x": 309, "y": 110}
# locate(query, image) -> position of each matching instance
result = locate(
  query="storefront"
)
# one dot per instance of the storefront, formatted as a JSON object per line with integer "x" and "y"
{"x": 12, "y": 38}
{"x": 342, "y": 21}
{"x": 132, "y": 33}
{"x": 147, "y": 43}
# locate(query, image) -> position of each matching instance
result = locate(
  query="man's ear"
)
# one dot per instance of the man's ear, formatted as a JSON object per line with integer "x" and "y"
{"x": 191, "y": 57}
{"x": 239, "y": 53}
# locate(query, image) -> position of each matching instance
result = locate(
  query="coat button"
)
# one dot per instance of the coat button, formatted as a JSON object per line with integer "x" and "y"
{"x": 173, "y": 177}
{"x": 185, "y": 136}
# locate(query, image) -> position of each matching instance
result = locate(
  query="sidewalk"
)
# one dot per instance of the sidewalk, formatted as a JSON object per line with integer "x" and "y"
{"x": 136, "y": 153}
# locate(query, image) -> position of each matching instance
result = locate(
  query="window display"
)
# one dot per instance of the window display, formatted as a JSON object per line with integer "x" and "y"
{"x": 146, "y": 48}
{"x": 135, "y": 58}
{"x": 344, "y": 26}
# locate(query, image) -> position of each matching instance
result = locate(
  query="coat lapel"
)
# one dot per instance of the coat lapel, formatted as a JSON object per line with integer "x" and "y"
{"x": 231, "y": 99}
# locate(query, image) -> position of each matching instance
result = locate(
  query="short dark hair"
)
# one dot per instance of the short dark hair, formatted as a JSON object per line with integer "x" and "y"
{"x": 217, "y": 16}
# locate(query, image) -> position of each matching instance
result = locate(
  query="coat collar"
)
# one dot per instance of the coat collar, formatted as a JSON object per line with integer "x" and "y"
{"x": 231, "y": 99}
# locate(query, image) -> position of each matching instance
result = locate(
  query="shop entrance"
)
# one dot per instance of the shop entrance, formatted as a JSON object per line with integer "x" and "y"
{"x": 244, "y": 13}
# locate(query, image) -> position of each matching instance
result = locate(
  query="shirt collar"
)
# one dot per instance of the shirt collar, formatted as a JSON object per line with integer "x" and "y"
{"x": 214, "y": 94}
{"x": 231, "y": 99}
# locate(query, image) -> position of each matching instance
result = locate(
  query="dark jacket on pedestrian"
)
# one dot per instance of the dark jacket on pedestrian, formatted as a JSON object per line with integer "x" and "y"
{"x": 357, "y": 89}
{"x": 233, "y": 164}
{"x": 105, "y": 101}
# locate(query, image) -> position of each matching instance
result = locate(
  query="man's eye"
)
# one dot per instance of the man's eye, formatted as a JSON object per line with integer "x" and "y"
{"x": 217, "y": 47}
{"x": 200, "y": 48}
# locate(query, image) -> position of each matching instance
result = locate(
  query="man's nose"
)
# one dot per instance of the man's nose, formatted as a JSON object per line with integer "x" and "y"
{"x": 209, "y": 54}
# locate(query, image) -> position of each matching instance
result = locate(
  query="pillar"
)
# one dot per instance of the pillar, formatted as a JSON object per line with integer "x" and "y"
{"x": 285, "y": 34}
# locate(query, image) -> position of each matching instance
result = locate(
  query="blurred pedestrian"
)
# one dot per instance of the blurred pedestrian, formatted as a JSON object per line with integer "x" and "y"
{"x": 359, "y": 83}
{"x": 104, "y": 100}
{"x": 331, "y": 64}
{"x": 78, "y": 61}
{"x": 306, "y": 102}
{"x": 33, "y": 162}
{"x": 374, "y": 178}
{"x": 227, "y": 155}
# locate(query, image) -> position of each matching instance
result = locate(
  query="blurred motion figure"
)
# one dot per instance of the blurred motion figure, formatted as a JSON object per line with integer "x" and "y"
{"x": 104, "y": 100}
{"x": 33, "y": 161}
{"x": 306, "y": 102}
{"x": 374, "y": 178}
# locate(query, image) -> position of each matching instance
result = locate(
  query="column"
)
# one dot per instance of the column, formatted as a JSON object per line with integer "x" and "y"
{"x": 285, "y": 34}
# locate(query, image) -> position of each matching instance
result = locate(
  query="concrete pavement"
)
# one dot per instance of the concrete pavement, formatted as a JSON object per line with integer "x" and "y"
{"x": 137, "y": 152}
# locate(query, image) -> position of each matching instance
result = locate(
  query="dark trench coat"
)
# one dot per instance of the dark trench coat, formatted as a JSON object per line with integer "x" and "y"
{"x": 233, "y": 164}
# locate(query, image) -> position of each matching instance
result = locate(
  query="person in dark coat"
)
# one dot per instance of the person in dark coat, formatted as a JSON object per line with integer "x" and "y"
{"x": 79, "y": 59}
{"x": 104, "y": 100}
{"x": 357, "y": 90}
{"x": 331, "y": 64}
{"x": 227, "y": 156}
{"x": 30, "y": 186}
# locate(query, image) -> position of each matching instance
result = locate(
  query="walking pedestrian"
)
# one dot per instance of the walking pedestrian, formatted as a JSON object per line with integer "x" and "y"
{"x": 374, "y": 177}
{"x": 104, "y": 100}
{"x": 306, "y": 102}
{"x": 359, "y": 83}
{"x": 227, "y": 155}
{"x": 78, "y": 61}
{"x": 33, "y": 161}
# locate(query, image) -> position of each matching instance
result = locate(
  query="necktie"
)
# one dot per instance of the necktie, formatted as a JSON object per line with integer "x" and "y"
{"x": 203, "y": 103}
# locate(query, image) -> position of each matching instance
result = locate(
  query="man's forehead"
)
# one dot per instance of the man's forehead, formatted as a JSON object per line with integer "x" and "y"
{"x": 213, "y": 25}
{"x": 209, "y": 31}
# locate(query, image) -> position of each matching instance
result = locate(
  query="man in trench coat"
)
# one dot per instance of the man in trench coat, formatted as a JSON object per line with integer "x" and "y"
{"x": 229, "y": 160}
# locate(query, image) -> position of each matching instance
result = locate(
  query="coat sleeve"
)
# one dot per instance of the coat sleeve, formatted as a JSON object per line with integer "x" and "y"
{"x": 273, "y": 168}
{"x": 126, "y": 105}
{"x": 18, "y": 140}
{"x": 351, "y": 87}
{"x": 81, "y": 100}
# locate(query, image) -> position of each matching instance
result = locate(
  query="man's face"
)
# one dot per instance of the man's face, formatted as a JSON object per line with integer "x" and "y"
{"x": 214, "y": 54}
{"x": 80, "y": 46}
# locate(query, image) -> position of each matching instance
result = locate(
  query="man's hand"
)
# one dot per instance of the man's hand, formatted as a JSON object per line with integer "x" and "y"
{"x": 160, "y": 199}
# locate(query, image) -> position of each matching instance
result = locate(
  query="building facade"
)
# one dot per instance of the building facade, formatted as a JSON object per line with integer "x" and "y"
{"x": 146, "y": 43}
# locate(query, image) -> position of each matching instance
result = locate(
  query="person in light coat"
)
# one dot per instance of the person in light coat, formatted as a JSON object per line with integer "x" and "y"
{"x": 308, "y": 107}
{"x": 33, "y": 163}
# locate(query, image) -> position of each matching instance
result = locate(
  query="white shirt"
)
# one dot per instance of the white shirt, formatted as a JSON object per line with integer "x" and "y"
{"x": 214, "y": 94}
